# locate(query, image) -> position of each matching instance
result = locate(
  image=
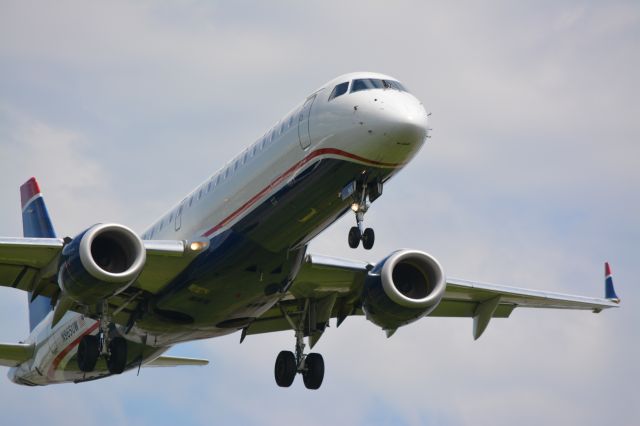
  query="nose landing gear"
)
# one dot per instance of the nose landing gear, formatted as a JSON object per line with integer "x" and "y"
{"x": 360, "y": 206}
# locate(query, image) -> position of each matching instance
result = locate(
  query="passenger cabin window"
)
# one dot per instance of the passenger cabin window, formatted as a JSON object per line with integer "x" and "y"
{"x": 340, "y": 89}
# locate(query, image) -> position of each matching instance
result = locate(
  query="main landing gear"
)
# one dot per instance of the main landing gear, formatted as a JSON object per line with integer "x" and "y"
{"x": 92, "y": 346}
{"x": 105, "y": 343}
{"x": 360, "y": 206}
{"x": 288, "y": 364}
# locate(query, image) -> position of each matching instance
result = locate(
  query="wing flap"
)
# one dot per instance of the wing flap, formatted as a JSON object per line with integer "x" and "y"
{"x": 12, "y": 354}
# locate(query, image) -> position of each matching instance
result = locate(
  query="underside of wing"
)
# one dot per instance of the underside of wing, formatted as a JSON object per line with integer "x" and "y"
{"x": 483, "y": 301}
{"x": 25, "y": 262}
{"x": 33, "y": 265}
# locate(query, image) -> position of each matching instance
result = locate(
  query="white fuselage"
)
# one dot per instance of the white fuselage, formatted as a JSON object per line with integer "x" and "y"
{"x": 381, "y": 127}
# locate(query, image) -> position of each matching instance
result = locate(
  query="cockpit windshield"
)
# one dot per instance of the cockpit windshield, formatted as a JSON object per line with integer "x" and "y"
{"x": 374, "y": 83}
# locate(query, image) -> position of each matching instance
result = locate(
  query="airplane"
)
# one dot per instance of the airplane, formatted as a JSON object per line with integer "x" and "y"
{"x": 232, "y": 256}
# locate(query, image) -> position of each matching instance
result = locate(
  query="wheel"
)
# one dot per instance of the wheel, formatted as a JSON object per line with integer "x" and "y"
{"x": 314, "y": 371}
{"x": 117, "y": 360}
{"x": 354, "y": 237}
{"x": 368, "y": 238}
{"x": 285, "y": 370}
{"x": 88, "y": 352}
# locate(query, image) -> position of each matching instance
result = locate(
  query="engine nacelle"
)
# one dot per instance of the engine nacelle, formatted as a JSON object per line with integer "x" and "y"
{"x": 100, "y": 262}
{"x": 402, "y": 288}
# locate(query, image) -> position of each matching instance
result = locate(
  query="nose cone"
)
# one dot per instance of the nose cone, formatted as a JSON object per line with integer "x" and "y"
{"x": 395, "y": 123}
{"x": 404, "y": 122}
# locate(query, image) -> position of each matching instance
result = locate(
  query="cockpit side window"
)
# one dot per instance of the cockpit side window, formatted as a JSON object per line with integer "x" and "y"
{"x": 340, "y": 89}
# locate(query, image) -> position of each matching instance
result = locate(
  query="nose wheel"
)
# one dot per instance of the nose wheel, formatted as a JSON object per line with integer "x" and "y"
{"x": 367, "y": 237}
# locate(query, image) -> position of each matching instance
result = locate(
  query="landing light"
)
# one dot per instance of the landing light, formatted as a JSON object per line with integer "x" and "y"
{"x": 355, "y": 207}
{"x": 198, "y": 245}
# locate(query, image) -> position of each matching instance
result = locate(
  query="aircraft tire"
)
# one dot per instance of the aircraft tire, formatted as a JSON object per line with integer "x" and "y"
{"x": 88, "y": 353}
{"x": 354, "y": 237}
{"x": 368, "y": 238}
{"x": 285, "y": 369}
{"x": 117, "y": 360}
{"x": 314, "y": 371}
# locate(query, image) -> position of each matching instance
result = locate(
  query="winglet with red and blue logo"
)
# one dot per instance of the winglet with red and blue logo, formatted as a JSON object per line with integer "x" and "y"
{"x": 609, "y": 291}
{"x": 35, "y": 224}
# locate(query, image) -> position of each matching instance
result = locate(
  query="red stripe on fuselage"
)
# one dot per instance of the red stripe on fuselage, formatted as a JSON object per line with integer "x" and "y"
{"x": 289, "y": 172}
{"x": 65, "y": 351}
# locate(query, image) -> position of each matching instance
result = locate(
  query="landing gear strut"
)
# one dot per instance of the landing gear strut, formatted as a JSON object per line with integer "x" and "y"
{"x": 311, "y": 366}
{"x": 360, "y": 206}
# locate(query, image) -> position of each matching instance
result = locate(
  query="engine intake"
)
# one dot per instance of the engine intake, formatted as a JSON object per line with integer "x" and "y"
{"x": 402, "y": 288}
{"x": 100, "y": 262}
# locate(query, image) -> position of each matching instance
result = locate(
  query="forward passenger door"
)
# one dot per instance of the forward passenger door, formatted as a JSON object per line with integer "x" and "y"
{"x": 303, "y": 123}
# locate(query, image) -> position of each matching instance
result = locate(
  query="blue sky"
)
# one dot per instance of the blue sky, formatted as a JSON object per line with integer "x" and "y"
{"x": 531, "y": 179}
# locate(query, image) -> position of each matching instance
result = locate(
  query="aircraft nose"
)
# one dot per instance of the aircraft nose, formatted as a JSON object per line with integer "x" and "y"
{"x": 404, "y": 121}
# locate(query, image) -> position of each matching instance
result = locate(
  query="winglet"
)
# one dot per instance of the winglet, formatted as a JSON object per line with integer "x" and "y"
{"x": 609, "y": 291}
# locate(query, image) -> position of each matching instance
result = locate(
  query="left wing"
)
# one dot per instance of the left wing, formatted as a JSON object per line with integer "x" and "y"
{"x": 31, "y": 264}
{"x": 332, "y": 288}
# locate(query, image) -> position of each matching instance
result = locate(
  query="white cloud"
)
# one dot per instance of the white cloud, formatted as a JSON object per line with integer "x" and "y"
{"x": 77, "y": 190}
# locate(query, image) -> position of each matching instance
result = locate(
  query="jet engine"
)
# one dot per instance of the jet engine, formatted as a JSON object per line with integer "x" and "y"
{"x": 100, "y": 262}
{"x": 402, "y": 288}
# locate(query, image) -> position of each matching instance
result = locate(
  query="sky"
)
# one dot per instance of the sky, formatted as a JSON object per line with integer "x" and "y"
{"x": 531, "y": 179}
